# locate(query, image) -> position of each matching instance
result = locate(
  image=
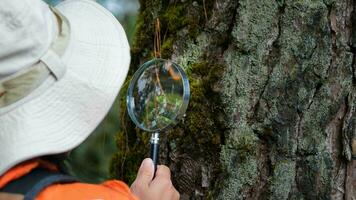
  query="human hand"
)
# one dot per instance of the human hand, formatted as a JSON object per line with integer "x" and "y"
{"x": 159, "y": 188}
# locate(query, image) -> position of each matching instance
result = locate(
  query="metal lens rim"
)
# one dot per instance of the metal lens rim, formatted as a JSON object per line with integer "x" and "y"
{"x": 130, "y": 100}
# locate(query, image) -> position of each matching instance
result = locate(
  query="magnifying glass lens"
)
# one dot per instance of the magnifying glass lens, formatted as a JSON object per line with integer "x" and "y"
{"x": 157, "y": 95}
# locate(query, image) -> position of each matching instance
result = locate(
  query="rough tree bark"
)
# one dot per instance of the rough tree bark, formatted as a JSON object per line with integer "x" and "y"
{"x": 272, "y": 109}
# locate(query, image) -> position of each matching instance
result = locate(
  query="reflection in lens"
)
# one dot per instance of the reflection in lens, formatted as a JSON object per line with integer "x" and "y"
{"x": 158, "y": 95}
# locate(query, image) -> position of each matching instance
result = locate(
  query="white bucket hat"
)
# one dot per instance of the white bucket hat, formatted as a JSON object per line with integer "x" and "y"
{"x": 60, "y": 71}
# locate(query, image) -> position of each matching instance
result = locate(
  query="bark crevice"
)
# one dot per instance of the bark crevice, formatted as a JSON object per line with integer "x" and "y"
{"x": 269, "y": 80}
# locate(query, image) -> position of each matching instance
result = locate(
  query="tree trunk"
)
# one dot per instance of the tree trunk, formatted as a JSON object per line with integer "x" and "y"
{"x": 273, "y": 98}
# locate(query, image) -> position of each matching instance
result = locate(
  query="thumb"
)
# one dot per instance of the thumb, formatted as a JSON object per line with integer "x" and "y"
{"x": 145, "y": 173}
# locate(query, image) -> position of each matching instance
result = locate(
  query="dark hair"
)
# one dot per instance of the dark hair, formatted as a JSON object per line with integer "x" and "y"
{"x": 61, "y": 160}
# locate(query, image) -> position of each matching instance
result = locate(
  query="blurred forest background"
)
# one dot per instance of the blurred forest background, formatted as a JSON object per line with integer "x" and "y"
{"x": 91, "y": 160}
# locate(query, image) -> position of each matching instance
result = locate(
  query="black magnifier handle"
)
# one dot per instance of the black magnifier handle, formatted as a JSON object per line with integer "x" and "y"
{"x": 155, "y": 149}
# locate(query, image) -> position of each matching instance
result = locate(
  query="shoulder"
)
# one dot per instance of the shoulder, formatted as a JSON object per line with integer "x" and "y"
{"x": 108, "y": 190}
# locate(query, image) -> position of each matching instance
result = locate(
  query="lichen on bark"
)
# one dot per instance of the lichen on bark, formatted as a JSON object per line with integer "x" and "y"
{"x": 272, "y": 108}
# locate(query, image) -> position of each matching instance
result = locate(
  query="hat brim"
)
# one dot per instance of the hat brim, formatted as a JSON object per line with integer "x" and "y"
{"x": 68, "y": 110}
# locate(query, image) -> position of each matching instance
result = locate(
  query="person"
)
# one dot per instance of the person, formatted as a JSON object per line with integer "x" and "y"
{"x": 60, "y": 71}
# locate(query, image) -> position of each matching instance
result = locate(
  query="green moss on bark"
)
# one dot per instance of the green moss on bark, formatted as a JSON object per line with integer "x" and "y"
{"x": 201, "y": 120}
{"x": 266, "y": 79}
{"x": 132, "y": 146}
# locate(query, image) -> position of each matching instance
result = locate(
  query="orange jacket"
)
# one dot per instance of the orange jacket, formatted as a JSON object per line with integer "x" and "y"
{"x": 109, "y": 190}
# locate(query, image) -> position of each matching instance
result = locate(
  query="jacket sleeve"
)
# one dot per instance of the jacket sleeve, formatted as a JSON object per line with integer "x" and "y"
{"x": 109, "y": 190}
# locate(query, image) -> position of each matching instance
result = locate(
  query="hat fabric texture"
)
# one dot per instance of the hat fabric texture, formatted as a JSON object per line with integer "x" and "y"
{"x": 62, "y": 111}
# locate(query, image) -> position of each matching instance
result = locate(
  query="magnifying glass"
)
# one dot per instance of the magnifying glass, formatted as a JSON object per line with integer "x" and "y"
{"x": 157, "y": 98}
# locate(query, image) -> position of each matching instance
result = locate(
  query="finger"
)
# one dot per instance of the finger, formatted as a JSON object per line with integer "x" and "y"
{"x": 172, "y": 194}
{"x": 176, "y": 195}
{"x": 145, "y": 173}
{"x": 163, "y": 172}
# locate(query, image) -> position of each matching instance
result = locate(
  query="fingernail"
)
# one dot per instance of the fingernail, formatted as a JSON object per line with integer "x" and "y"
{"x": 147, "y": 162}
